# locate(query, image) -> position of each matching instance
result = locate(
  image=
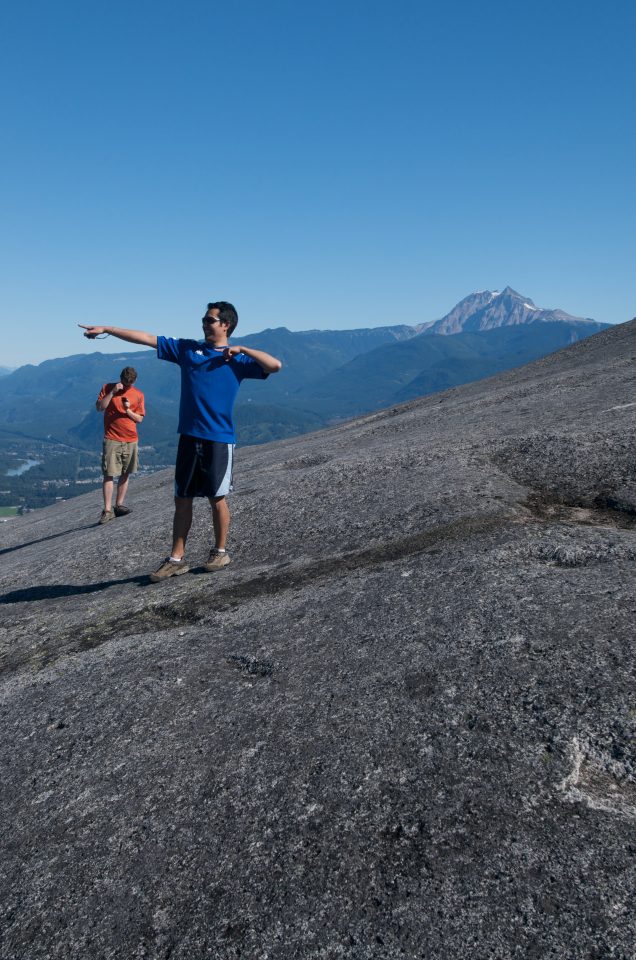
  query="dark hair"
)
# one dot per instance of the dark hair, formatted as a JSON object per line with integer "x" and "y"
{"x": 129, "y": 374}
{"x": 227, "y": 314}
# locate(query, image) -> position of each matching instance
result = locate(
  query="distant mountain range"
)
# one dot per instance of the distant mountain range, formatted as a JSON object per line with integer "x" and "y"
{"x": 485, "y": 333}
{"x": 430, "y": 363}
{"x": 327, "y": 374}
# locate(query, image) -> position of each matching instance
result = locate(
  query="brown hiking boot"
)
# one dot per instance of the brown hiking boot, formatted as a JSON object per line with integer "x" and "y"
{"x": 121, "y": 510}
{"x": 216, "y": 561}
{"x": 169, "y": 568}
{"x": 106, "y": 516}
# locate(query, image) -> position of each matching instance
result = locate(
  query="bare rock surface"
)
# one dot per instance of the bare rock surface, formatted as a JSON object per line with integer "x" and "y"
{"x": 401, "y": 723}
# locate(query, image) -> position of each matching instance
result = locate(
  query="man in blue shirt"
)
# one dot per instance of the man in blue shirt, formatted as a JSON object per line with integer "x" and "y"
{"x": 211, "y": 374}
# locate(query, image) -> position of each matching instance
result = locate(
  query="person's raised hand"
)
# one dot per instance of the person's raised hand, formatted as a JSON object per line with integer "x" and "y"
{"x": 232, "y": 352}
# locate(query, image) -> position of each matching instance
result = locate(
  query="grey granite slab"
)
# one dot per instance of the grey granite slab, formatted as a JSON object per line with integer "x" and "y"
{"x": 401, "y": 723}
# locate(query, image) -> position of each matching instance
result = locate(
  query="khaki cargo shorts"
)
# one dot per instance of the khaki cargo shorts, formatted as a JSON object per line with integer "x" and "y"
{"x": 118, "y": 458}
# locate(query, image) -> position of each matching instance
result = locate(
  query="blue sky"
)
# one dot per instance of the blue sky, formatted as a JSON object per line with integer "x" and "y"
{"x": 332, "y": 165}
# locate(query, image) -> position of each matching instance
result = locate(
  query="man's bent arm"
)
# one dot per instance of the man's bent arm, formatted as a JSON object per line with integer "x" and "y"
{"x": 269, "y": 363}
{"x": 131, "y": 336}
{"x": 101, "y": 405}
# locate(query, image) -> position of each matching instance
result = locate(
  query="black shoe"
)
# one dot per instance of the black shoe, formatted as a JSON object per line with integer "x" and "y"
{"x": 121, "y": 511}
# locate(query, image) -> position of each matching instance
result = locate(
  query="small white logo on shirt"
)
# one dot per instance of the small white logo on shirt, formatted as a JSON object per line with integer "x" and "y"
{"x": 199, "y": 353}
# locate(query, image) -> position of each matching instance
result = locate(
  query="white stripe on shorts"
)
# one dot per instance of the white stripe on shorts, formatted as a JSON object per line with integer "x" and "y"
{"x": 226, "y": 483}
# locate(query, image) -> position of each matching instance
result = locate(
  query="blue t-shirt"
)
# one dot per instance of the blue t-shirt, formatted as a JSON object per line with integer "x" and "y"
{"x": 209, "y": 385}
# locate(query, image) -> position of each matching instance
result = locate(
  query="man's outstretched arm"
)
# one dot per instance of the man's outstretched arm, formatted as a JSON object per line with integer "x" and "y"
{"x": 132, "y": 336}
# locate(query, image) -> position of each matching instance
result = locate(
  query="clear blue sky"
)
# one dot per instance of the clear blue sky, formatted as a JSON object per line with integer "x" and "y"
{"x": 340, "y": 164}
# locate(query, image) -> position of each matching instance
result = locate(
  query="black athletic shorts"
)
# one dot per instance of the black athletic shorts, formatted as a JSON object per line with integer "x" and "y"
{"x": 203, "y": 468}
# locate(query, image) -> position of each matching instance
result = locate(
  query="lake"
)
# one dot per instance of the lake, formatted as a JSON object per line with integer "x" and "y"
{"x": 24, "y": 466}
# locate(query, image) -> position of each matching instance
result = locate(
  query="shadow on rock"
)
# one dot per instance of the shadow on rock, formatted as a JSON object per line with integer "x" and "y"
{"x": 51, "y": 536}
{"x": 56, "y": 590}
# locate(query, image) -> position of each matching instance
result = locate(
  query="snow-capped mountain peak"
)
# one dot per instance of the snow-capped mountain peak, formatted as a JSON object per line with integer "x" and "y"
{"x": 489, "y": 309}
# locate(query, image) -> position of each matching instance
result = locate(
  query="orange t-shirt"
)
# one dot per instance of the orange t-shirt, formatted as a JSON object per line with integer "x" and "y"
{"x": 117, "y": 426}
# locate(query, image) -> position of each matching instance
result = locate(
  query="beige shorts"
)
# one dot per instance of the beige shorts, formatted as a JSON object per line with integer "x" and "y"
{"x": 118, "y": 458}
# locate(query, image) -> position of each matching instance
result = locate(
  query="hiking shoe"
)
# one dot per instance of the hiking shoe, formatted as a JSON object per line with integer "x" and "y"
{"x": 121, "y": 511}
{"x": 216, "y": 561}
{"x": 169, "y": 568}
{"x": 106, "y": 516}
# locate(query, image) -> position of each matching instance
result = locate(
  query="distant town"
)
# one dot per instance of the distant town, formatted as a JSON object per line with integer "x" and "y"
{"x": 35, "y": 473}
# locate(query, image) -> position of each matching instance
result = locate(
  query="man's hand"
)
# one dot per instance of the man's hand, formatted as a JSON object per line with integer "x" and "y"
{"x": 232, "y": 352}
{"x": 118, "y": 388}
{"x": 125, "y": 401}
{"x": 92, "y": 332}
{"x": 131, "y": 336}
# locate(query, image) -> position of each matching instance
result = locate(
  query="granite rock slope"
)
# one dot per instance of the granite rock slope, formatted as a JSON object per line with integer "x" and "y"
{"x": 401, "y": 724}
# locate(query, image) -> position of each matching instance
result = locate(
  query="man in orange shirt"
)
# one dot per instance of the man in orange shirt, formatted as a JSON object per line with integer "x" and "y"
{"x": 123, "y": 407}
